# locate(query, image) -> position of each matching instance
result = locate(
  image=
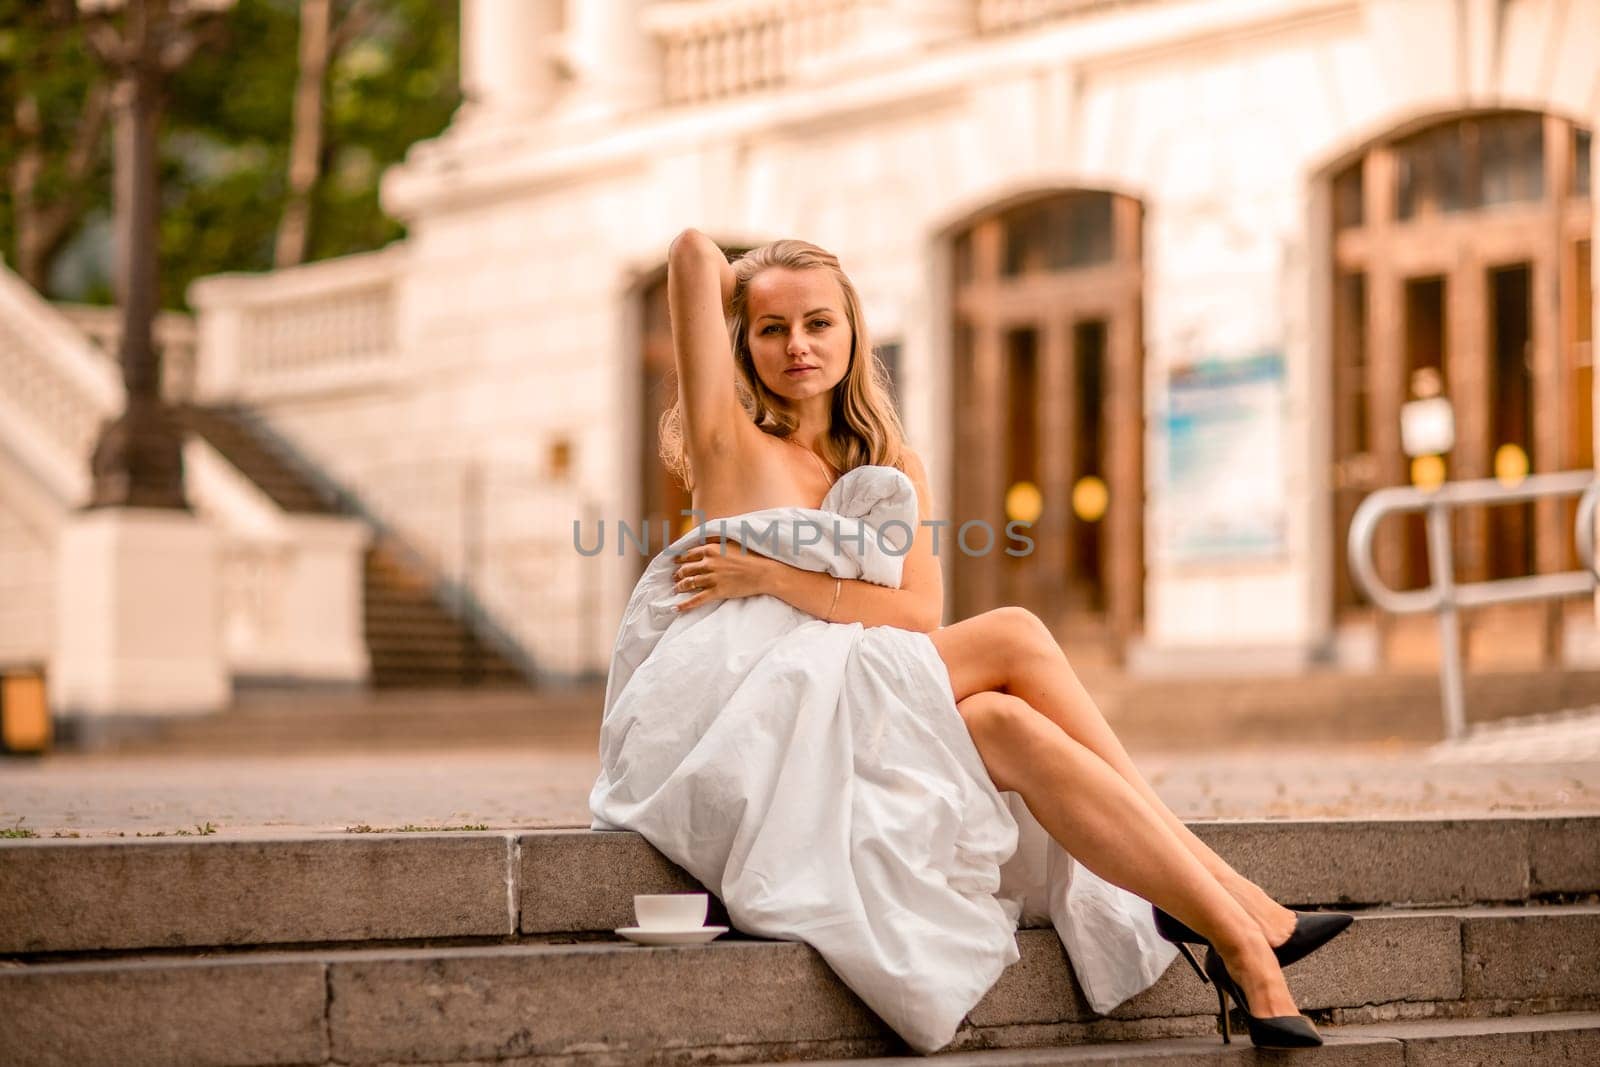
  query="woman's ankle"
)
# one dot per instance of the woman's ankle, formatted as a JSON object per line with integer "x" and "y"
{"x": 1259, "y": 977}
{"x": 1274, "y": 920}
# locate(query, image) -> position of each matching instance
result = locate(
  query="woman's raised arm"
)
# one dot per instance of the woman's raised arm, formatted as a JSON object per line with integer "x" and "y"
{"x": 699, "y": 284}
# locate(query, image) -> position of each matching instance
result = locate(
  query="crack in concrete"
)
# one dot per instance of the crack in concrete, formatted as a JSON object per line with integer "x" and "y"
{"x": 327, "y": 1013}
{"x": 513, "y": 883}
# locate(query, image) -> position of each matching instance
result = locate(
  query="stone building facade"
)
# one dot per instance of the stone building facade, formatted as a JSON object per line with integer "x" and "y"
{"x": 1155, "y": 273}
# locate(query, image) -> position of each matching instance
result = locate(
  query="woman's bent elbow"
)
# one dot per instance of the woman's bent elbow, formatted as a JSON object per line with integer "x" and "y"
{"x": 690, "y": 243}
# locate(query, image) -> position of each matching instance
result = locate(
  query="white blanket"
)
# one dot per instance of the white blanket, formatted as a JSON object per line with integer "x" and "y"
{"x": 818, "y": 778}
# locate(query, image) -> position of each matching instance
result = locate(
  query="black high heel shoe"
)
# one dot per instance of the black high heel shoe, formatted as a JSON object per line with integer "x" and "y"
{"x": 1312, "y": 930}
{"x": 1276, "y": 1031}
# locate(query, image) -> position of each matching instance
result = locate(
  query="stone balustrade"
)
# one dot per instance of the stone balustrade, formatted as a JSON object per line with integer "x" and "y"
{"x": 55, "y": 390}
{"x": 282, "y": 617}
{"x": 323, "y": 325}
{"x": 291, "y": 585}
{"x": 1000, "y": 16}
{"x": 713, "y": 49}
{"x": 726, "y": 47}
{"x": 174, "y": 338}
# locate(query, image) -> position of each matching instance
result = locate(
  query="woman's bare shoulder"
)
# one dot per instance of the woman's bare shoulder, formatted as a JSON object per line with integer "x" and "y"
{"x": 912, "y": 464}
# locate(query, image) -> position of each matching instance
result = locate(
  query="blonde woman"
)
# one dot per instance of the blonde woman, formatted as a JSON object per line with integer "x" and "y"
{"x": 787, "y": 720}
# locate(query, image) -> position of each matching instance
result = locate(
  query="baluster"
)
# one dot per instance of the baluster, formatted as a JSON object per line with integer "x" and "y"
{"x": 727, "y": 60}
{"x": 671, "y": 70}
{"x": 748, "y": 73}
{"x": 695, "y": 65}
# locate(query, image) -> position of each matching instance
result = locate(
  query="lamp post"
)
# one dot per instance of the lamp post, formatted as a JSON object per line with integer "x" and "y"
{"x": 138, "y": 622}
{"x": 137, "y": 461}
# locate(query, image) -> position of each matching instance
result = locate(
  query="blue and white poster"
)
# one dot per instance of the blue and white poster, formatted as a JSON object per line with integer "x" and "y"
{"x": 1224, "y": 498}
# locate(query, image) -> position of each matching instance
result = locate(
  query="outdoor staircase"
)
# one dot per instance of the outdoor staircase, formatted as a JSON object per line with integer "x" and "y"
{"x": 1477, "y": 941}
{"x": 412, "y": 639}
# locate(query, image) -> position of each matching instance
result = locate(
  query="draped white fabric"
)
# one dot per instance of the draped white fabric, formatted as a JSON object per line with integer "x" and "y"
{"x": 818, "y": 778}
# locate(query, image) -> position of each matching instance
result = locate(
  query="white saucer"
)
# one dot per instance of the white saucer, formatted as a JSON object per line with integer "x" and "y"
{"x": 692, "y": 936}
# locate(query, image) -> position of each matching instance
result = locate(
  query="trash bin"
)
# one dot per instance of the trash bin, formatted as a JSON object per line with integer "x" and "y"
{"x": 25, "y": 727}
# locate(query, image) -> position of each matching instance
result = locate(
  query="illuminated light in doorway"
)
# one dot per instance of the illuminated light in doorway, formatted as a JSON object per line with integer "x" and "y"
{"x": 1090, "y": 498}
{"x": 1510, "y": 465}
{"x": 1024, "y": 502}
{"x": 1427, "y": 472}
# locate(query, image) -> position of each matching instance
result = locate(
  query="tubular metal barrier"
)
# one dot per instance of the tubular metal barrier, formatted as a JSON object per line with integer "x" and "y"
{"x": 1443, "y": 594}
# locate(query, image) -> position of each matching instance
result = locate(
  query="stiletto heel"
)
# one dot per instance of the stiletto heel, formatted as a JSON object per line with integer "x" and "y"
{"x": 1277, "y": 1031}
{"x": 1312, "y": 930}
{"x": 1183, "y": 950}
{"x": 1222, "y": 1015}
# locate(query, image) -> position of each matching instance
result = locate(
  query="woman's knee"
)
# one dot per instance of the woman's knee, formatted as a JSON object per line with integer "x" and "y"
{"x": 997, "y": 718}
{"x": 1019, "y": 632}
{"x": 1001, "y": 726}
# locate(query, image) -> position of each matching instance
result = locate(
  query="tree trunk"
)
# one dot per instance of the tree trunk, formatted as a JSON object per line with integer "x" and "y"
{"x": 43, "y": 228}
{"x": 305, "y": 144}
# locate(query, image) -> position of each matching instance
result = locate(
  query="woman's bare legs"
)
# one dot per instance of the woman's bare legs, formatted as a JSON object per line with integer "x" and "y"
{"x": 1103, "y": 821}
{"x": 1010, "y": 650}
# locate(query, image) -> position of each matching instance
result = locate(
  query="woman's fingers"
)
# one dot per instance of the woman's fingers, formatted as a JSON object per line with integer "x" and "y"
{"x": 687, "y": 573}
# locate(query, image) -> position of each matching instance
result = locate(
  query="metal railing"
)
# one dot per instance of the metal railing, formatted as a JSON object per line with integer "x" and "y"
{"x": 1443, "y": 594}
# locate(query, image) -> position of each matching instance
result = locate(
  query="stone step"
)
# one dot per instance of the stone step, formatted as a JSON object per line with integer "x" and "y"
{"x": 196, "y": 892}
{"x": 252, "y": 451}
{"x": 420, "y": 618}
{"x": 1519, "y": 1041}
{"x": 739, "y": 999}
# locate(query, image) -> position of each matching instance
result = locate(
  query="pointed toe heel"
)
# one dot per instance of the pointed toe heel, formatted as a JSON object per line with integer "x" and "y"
{"x": 1312, "y": 930}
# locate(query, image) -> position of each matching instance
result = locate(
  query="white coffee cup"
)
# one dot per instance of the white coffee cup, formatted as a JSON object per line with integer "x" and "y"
{"x": 670, "y": 911}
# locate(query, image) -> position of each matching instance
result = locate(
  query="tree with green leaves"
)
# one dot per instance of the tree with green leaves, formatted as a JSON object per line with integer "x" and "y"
{"x": 391, "y": 79}
{"x": 53, "y": 145}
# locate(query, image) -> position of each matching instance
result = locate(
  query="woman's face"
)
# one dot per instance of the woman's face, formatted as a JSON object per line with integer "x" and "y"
{"x": 799, "y": 335}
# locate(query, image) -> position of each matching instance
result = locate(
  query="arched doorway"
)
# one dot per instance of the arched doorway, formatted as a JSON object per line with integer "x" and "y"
{"x": 1049, "y": 416}
{"x": 1461, "y": 263}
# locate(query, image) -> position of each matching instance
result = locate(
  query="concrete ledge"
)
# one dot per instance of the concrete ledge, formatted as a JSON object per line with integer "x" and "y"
{"x": 77, "y": 896}
{"x": 561, "y": 870}
{"x": 1383, "y": 861}
{"x": 1341, "y": 1050}
{"x": 620, "y": 1004}
{"x": 196, "y": 1013}
{"x": 562, "y": 1000}
{"x": 70, "y": 896}
{"x": 1540, "y": 952}
{"x": 1536, "y": 1039}
{"x": 1520, "y": 1040}
{"x": 1299, "y": 862}
{"x": 519, "y": 1002}
{"x": 1564, "y": 857}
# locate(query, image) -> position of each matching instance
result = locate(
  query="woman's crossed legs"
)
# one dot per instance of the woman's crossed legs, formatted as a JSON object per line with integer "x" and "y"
{"x": 1040, "y": 734}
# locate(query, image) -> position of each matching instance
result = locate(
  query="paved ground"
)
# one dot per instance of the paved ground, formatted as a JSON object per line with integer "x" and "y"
{"x": 548, "y": 784}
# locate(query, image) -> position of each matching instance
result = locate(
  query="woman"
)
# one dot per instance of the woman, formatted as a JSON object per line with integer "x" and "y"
{"x": 801, "y": 735}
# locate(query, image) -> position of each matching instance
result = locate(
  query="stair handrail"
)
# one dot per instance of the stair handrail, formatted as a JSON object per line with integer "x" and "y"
{"x": 1585, "y": 532}
{"x": 40, "y": 349}
{"x": 1443, "y": 594}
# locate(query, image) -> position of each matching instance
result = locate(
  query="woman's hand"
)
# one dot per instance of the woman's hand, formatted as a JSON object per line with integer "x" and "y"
{"x": 712, "y": 574}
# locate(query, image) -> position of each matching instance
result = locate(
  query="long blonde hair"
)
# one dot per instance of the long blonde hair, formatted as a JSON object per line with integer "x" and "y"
{"x": 864, "y": 427}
